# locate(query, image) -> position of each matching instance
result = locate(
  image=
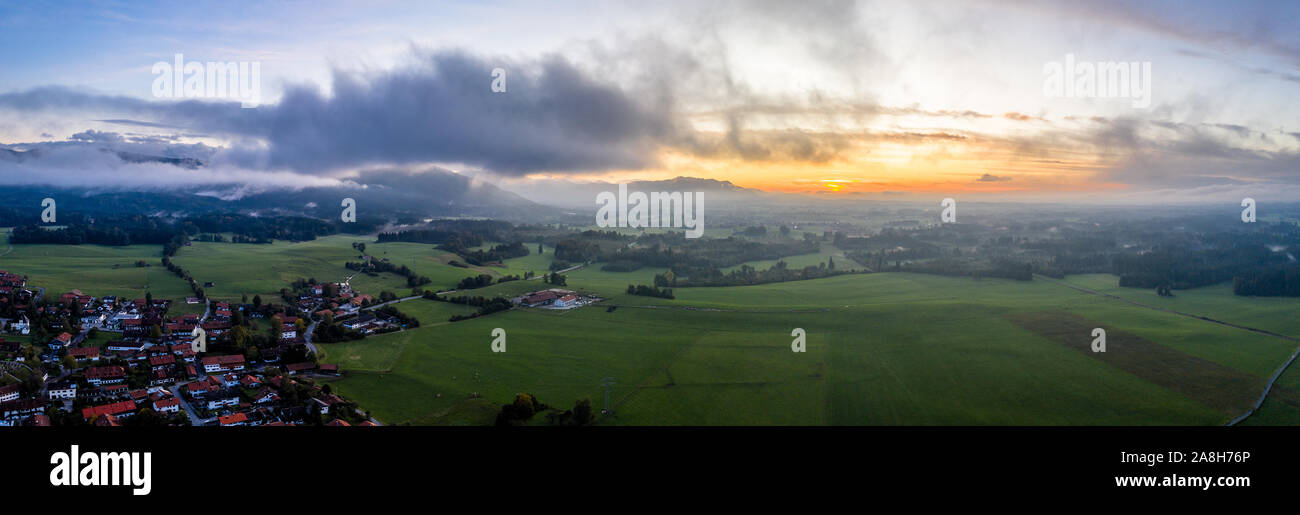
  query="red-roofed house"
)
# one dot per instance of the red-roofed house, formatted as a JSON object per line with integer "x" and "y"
{"x": 116, "y": 409}
{"x": 223, "y": 363}
{"x": 90, "y": 353}
{"x": 237, "y": 419}
{"x": 168, "y": 405}
{"x": 105, "y": 375}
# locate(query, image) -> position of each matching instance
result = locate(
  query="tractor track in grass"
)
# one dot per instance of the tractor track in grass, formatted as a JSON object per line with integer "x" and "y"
{"x": 1271, "y": 381}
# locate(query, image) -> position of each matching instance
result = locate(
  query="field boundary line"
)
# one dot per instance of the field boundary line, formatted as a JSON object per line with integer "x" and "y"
{"x": 1267, "y": 387}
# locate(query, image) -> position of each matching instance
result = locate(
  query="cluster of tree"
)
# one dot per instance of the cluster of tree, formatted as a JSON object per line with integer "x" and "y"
{"x": 174, "y": 245}
{"x": 306, "y": 286}
{"x": 555, "y": 278}
{"x": 329, "y": 330}
{"x": 580, "y": 251}
{"x": 460, "y": 233}
{"x": 621, "y": 266}
{"x": 889, "y": 245}
{"x": 495, "y": 254}
{"x": 704, "y": 257}
{"x": 459, "y": 238}
{"x": 123, "y": 232}
{"x": 382, "y": 265}
{"x": 257, "y": 229}
{"x": 580, "y": 415}
{"x": 184, "y": 275}
{"x": 520, "y": 411}
{"x": 972, "y": 267}
{"x": 1182, "y": 268}
{"x": 1281, "y": 281}
{"x": 650, "y": 291}
{"x": 478, "y": 281}
{"x": 486, "y": 306}
{"x": 748, "y": 275}
{"x": 392, "y": 312}
{"x": 239, "y": 238}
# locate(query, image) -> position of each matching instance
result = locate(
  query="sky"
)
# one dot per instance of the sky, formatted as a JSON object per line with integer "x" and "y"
{"x": 839, "y": 98}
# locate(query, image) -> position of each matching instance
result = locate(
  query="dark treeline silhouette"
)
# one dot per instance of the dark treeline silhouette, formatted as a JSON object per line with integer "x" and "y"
{"x": 1004, "y": 268}
{"x": 480, "y": 257}
{"x": 1273, "y": 282}
{"x": 412, "y": 280}
{"x": 150, "y": 230}
{"x": 486, "y": 306}
{"x": 748, "y": 275}
{"x": 650, "y": 291}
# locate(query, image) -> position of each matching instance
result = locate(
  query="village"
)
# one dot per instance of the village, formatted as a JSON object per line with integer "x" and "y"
{"x": 76, "y": 359}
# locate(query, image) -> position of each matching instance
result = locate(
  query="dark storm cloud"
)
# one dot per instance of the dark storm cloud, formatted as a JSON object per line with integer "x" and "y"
{"x": 552, "y": 117}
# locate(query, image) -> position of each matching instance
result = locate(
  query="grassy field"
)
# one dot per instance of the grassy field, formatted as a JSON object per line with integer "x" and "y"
{"x": 888, "y": 348}
{"x": 96, "y": 270}
{"x": 101, "y": 339}
{"x": 238, "y": 269}
{"x": 881, "y": 349}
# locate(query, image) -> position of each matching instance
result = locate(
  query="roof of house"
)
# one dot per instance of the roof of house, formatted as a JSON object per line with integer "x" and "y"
{"x": 104, "y": 372}
{"x": 226, "y": 420}
{"x": 108, "y": 409}
{"x": 84, "y": 352}
{"x": 229, "y": 359}
{"x": 541, "y": 296}
{"x": 166, "y": 403}
{"x": 165, "y": 359}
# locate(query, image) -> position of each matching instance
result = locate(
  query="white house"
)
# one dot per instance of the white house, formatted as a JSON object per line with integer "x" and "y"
{"x": 168, "y": 405}
{"x": 8, "y": 393}
{"x": 222, "y": 401}
{"x": 65, "y": 390}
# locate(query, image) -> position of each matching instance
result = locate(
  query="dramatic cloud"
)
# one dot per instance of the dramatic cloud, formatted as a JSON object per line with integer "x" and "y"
{"x": 767, "y": 94}
{"x": 552, "y": 117}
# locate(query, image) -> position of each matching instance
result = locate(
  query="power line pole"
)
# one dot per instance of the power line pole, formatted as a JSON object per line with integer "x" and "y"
{"x": 607, "y": 383}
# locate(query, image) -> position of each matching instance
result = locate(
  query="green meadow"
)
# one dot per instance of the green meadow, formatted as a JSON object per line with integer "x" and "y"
{"x": 882, "y": 349}
{"x": 97, "y": 270}
{"x": 239, "y": 269}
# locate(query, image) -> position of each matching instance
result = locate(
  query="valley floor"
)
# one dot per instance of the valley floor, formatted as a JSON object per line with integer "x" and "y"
{"x": 882, "y": 349}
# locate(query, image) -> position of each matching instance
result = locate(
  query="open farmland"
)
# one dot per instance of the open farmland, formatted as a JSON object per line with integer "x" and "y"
{"x": 238, "y": 269}
{"x": 97, "y": 270}
{"x": 887, "y": 348}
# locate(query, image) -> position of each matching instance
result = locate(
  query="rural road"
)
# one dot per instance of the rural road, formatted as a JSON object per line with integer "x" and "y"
{"x": 1271, "y": 381}
{"x": 194, "y": 417}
